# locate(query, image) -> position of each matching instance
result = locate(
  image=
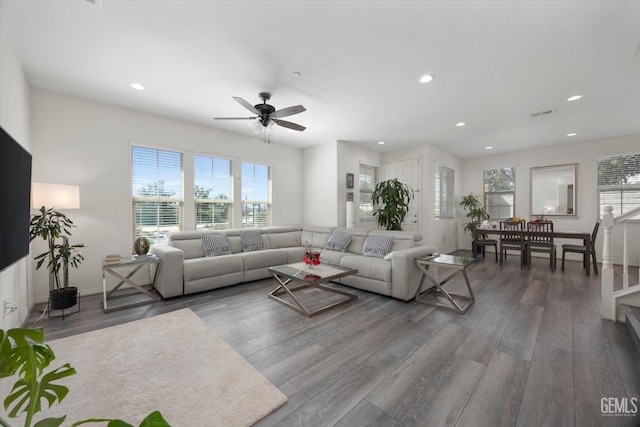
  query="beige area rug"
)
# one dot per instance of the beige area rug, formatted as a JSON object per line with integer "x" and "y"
{"x": 173, "y": 363}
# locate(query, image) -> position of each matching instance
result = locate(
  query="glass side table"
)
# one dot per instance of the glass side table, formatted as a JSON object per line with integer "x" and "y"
{"x": 133, "y": 264}
{"x": 436, "y": 295}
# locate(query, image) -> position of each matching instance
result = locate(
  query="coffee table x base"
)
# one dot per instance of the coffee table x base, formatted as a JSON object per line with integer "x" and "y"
{"x": 285, "y": 274}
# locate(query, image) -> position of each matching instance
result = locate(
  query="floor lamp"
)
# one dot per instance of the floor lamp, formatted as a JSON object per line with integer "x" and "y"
{"x": 58, "y": 196}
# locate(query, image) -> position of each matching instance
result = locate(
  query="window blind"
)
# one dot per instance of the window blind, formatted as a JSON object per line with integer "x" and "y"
{"x": 444, "y": 192}
{"x": 367, "y": 183}
{"x": 157, "y": 193}
{"x": 500, "y": 192}
{"x": 213, "y": 193}
{"x": 619, "y": 183}
{"x": 256, "y": 195}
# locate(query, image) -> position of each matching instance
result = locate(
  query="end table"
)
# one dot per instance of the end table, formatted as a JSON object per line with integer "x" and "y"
{"x": 134, "y": 264}
{"x": 433, "y": 295}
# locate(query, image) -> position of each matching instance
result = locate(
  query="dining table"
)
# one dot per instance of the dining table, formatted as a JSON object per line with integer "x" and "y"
{"x": 585, "y": 236}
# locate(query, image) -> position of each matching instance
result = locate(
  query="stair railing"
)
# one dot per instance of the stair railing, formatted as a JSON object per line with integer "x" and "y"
{"x": 609, "y": 305}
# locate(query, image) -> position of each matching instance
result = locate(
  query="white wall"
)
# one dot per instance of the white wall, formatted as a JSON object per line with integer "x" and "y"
{"x": 14, "y": 118}
{"x": 320, "y": 192}
{"x": 86, "y": 143}
{"x": 586, "y": 154}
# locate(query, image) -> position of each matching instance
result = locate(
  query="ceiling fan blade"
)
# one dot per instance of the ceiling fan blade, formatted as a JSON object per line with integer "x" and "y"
{"x": 246, "y": 105}
{"x": 289, "y": 111}
{"x": 234, "y": 118}
{"x": 289, "y": 125}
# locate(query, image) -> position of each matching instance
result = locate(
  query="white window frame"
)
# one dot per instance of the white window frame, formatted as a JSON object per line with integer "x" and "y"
{"x": 367, "y": 174}
{"x": 444, "y": 192}
{"x": 621, "y": 191}
{"x": 500, "y": 193}
{"x": 211, "y": 179}
{"x": 156, "y": 233}
{"x": 248, "y": 205}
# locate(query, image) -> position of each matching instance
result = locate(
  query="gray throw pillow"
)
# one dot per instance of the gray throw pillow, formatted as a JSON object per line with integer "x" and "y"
{"x": 377, "y": 246}
{"x": 215, "y": 244}
{"x": 251, "y": 240}
{"x": 338, "y": 241}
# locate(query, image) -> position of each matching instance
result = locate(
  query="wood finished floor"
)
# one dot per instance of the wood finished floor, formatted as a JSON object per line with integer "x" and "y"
{"x": 532, "y": 351}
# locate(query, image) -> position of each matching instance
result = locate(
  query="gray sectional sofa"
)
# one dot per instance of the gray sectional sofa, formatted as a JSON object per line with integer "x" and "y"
{"x": 184, "y": 269}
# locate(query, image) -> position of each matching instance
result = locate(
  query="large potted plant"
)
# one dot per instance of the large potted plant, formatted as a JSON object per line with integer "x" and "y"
{"x": 475, "y": 212}
{"x": 55, "y": 228}
{"x": 391, "y": 200}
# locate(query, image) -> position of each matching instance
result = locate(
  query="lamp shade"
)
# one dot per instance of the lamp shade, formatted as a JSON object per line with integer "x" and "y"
{"x": 55, "y": 195}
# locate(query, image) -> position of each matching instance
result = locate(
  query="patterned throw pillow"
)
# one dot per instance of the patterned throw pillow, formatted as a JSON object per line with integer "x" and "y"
{"x": 215, "y": 244}
{"x": 377, "y": 246}
{"x": 338, "y": 241}
{"x": 251, "y": 240}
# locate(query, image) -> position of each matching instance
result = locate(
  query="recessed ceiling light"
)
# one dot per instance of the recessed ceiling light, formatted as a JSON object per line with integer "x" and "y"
{"x": 380, "y": 142}
{"x": 460, "y": 124}
{"x": 427, "y": 78}
{"x": 574, "y": 97}
{"x": 572, "y": 134}
{"x": 488, "y": 148}
{"x": 137, "y": 86}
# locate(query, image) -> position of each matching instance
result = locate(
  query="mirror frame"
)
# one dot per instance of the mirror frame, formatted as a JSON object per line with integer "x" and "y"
{"x": 532, "y": 172}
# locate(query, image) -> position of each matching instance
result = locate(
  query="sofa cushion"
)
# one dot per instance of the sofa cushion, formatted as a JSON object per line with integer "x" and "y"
{"x": 251, "y": 240}
{"x": 215, "y": 245}
{"x": 283, "y": 240}
{"x": 199, "y": 268}
{"x": 401, "y": 239}
{"x": 377, "y": 246}
{"x": 317, "y": 237}
{"x": 339, "y": 241}
{"x": 265, "y": 258}
{"x": 369, "y": 267}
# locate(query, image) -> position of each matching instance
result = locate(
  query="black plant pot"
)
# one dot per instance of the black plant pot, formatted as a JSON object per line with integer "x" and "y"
{"x": 63, "y": 298}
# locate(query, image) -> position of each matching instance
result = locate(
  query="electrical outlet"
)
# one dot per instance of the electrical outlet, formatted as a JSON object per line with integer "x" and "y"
{"x": 8, "y": 307}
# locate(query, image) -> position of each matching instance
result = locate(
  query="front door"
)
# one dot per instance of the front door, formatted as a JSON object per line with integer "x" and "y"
{"x": 408, "y": 172}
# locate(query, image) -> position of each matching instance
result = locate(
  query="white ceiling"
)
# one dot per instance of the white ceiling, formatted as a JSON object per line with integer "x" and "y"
{"x": 495, "y": 62}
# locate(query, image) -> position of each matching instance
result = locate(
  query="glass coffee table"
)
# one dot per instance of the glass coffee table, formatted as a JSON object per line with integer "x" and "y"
{"x": 436, "y": 295}
{"x": 306, "y": 277}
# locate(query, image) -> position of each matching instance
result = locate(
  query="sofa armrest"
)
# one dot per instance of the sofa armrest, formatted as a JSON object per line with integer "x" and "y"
{"x": 170, "y": 274}
{"x": 405, "y": 274}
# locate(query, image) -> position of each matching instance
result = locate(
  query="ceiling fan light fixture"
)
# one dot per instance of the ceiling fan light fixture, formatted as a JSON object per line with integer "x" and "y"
{"x": 427, "y": 78}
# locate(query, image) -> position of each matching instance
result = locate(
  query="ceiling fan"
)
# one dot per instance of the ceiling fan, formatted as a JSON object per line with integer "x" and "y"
{"x": 266, "y": 114}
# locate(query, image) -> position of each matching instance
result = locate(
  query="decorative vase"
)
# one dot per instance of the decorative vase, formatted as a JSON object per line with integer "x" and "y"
{"x": 312, "y": 258}
{"x": 141, "y": 246}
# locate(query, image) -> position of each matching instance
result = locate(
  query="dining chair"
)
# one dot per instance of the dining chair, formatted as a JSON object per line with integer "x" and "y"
{"x": 512, "y": 238}
{"x": 540, "y": 239}
{"x": 481, "y": 240}
{"x": 582, "y": 249}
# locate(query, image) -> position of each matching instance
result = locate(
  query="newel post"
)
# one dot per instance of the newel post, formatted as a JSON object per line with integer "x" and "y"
{"x": 608, "y": 310}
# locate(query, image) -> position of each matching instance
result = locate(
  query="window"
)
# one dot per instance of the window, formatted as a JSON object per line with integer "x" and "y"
{"x": 444, "y": 192}
{"x": 213, "y": 193}
{"x": 367, "y": 185}
{"x": 256, "y": 195}
{"x": 619, "y": 183}
{"x": 500, "y": 192}
{"x": 157, "y": 193}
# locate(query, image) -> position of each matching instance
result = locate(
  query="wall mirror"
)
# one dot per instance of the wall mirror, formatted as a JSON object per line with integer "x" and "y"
{"x": 554, "y": 190}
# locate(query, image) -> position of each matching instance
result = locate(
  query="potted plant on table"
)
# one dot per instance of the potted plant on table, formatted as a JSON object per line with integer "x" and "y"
{"x": 391, "y": 199}
{"x": 55, "y": 228}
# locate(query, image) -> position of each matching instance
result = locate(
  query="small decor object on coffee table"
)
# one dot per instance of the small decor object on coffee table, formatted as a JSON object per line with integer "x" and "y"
{"x": 311, "y": 257}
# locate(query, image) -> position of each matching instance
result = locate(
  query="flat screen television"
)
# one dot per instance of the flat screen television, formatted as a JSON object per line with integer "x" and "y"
{"x": 15, "y": 197}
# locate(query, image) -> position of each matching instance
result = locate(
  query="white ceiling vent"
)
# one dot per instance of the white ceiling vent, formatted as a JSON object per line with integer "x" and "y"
{"x": 543, "y": 113}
